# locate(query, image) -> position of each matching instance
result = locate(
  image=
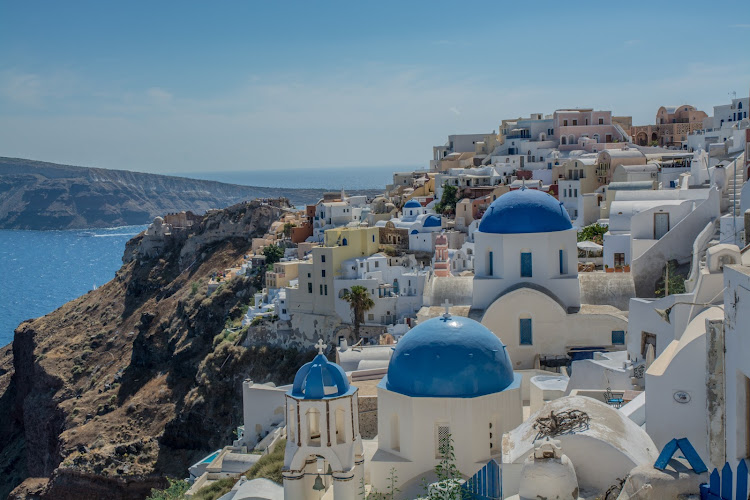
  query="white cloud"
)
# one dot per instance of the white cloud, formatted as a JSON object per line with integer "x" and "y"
{"x": 454, "y": 110}
{"x": 159, "y": 95}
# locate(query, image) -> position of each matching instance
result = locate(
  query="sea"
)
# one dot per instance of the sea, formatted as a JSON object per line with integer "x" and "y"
{"x": 42, "y": 270}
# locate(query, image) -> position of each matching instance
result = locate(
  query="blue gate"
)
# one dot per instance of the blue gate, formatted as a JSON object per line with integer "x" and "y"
{"x": 720, "y": 485}
{"x": 487, "y": 484}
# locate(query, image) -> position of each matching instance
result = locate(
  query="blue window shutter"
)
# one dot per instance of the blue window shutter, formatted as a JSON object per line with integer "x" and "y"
{"x": 525, "y": 327}
{"x": 526, "y": 265}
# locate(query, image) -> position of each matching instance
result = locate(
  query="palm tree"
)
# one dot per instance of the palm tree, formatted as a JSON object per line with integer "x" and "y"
{"x": 360, "y": 301}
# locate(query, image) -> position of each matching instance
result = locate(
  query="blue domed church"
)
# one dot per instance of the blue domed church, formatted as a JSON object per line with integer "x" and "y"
{"x": 526, "y": 287}
{"x": 448, "y": 376}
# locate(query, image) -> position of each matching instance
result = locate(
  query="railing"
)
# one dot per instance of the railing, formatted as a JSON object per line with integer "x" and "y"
{"x": 720, "y": 485}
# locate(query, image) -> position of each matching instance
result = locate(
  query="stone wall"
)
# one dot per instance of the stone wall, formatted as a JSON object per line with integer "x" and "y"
{"x": 368, "y": 416}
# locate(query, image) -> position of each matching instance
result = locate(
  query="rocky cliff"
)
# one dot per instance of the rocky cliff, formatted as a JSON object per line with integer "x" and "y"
{"x": 131, "y": 382}
{"x": 39, "y": 195}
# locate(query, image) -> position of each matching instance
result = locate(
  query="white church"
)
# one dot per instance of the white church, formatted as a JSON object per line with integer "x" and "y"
{"x": 526, "y": 288}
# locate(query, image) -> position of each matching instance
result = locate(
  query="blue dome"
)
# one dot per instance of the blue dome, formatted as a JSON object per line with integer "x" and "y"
{"x": 320, "y": 379}
{"x": 412, "y": 204}
{"x": 432, "y": 221}
{"x": 525, "y": 211}
{"x": 450, "y": 358}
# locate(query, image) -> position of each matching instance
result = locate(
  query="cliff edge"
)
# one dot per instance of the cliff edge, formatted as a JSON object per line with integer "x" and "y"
{"x": 132, "y": 382}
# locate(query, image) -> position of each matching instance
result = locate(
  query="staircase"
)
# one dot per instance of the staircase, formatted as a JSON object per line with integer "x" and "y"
{"x": 735, "y": 181}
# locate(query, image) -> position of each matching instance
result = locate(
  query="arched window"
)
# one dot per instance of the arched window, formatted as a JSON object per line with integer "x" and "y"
{"x": 313, "y": 427}
{"x": 340, "y": 426}
{"x": 395, "y": 436}
{"x": 739, "y": 105}
{"x": 563, "y": 140}
{"x": 596, "y": 137}
{"x": 344, "y": 242}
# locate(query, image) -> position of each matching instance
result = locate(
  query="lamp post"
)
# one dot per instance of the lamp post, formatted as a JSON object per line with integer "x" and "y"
{"x": 664, "y": 313}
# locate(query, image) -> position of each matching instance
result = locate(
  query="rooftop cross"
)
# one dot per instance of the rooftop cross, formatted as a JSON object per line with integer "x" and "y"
{"x": 320, "y": 346}
{"x": 447, "y": 306}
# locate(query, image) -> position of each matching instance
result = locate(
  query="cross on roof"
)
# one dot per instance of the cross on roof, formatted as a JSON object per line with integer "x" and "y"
{"x": 447, "y": 306}
{"x": 320, "y": 346}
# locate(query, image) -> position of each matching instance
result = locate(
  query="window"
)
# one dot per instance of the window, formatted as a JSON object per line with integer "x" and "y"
{"x": 562, "y": 261}
{"x": 283, "y": 311}
{"x": 340, "y": 426}
{"x": 309, "y": 288}
{"x": 619, "y": 259}
{"x": 322, "y": 273}
{"x": 601, "y": 121}
{"x": 326, "y": 289}
{"x": 524, "y": 325}
{"x": 321, "y": 289}
{"x": 377, "y": 264}
{"x": 565, "y": 123}
{"x": 344, "y": 242}
{"x": 575, "y": 122}
{"x": 370, "y": 317}
{"x": 322, "y": 258}
{"x": 313, "y": 427}
{"x": 490, "y": 264}
{"x": 395, "y": 441}
{"x": 526, "y": 265}
{"x": 618, "y": 337}
{"x": 309, "y": 275}
{"x": 575, "y": 193}
{"x": 442, "y": 439}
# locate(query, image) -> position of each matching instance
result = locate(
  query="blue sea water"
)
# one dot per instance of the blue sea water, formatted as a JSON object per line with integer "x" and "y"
{"x": 310, "y": 178}
{"x": 42, "y": 270}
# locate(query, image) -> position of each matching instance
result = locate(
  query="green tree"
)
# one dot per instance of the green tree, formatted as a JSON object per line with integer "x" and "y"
{"x": 447, "y": 203}
{"x": 593, "y": 232}
{"x": 273, "y": 253}
{"x": 676, "y": 281}
{"x": 288, "y": 229}
{"x": 360, "y": 302}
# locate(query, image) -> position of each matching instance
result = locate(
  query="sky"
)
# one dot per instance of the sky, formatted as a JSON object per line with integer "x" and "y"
{"x": 187, "y": 86}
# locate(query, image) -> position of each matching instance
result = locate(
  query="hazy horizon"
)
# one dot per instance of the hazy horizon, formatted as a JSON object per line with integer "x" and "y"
{"x": 190, "y": 87}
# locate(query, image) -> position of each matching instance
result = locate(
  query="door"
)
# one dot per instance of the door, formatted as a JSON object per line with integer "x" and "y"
{"x": 661, "y": 225}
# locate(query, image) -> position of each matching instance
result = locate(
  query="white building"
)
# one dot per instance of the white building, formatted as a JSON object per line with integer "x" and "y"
{"x": 396, "y": 290}
{"x": 449, "y": 377}
{"x": 525, "y": 286}
{"x": 328, "y": 215}
{"x": 322, "y": 432}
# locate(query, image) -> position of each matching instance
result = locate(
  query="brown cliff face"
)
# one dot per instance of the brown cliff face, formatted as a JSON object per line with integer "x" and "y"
{"x": 127, "y": 384}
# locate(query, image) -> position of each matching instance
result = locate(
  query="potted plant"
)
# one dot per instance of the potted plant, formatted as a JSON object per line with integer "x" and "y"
{"x": 626, "y": 268}
{"x": 608, "y": 269}
{"x": 618, "y": 269}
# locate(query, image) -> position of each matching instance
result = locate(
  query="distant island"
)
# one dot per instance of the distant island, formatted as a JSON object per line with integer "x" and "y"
{"x": 47, "y": 196}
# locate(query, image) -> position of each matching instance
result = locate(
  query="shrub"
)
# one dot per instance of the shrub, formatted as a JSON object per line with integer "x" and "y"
{"x": 269, "y": 466}
{"x": 215, "y": 489}
{"x": 175, "y": 491}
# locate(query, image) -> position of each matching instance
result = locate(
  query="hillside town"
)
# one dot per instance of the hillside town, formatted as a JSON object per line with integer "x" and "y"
{"x": 554, "y": 309}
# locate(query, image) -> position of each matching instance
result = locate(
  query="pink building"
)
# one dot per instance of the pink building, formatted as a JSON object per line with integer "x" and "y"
{"x": 571, "y": 125}
{"x": 441, "y": 262}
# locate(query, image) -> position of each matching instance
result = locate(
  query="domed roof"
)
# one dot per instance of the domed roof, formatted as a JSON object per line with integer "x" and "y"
{"x": 412, "y": 204}
{"x": 453, "y": 357}
{"x": 525, "y": 211}
{"x": 320, "y": 379}
{"x": 432, "y": 221}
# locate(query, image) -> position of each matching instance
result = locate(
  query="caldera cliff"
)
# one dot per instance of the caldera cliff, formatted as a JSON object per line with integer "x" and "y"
{"x": 130, "y": 383}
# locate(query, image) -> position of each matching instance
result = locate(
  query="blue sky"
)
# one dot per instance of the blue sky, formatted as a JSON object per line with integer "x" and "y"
{"x": 197, "y": 86}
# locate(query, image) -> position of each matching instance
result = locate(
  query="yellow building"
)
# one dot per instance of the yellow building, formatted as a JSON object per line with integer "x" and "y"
{"x": 315, "y": 292}
{"x": 283, "y": 273}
